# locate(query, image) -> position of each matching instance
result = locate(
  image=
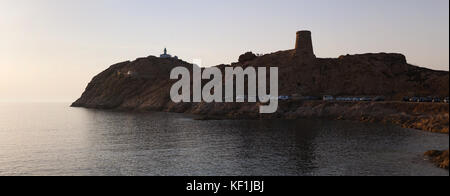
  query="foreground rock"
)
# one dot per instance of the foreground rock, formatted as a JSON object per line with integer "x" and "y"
{"x": 423, "y": 116}
{"x": 440, "y": 158}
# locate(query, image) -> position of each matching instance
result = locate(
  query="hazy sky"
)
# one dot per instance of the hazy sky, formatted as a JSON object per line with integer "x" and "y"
{"x": 50, "y": 49}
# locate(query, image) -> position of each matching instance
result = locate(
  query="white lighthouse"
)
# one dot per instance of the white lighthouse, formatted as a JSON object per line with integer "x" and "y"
{"x": 166, "y": 55}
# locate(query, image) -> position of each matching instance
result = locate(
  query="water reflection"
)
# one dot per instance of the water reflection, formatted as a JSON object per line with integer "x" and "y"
{"x": 74, "y": 141}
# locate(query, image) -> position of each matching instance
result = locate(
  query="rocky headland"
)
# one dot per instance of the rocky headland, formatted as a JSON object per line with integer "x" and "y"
{"x": 144, "y": 85}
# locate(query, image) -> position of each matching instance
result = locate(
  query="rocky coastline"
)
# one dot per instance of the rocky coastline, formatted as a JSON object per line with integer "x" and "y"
{"x": 144, "y": 85}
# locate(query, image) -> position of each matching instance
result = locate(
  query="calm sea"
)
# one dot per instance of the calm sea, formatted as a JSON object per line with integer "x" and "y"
{"x": 54, "y": 139}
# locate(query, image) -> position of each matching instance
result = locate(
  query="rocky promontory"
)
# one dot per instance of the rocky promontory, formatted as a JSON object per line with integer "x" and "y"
{"x": 144, "y": 85}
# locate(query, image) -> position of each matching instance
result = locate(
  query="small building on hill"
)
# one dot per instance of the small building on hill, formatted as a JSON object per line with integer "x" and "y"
{"x": 166, "y": 55}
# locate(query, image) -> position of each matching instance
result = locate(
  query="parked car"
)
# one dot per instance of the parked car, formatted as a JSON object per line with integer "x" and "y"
{"x": 241, "y": 98}
{"x": 310, "y": 98}
{"x": 425, "y": 99}
{"x": 328, "y": 98}
{"x": 414, "y": 99}
{"x": 437, "y": 100}
{"x": 266, "y": 98}
{"x": 366, "y": 99}
{"x": 283, "y": 97}
{"x": 379, "y": 98}
{"x": 406, "y": 99}
{"x": 344, "y": 99}
{"x": 446, "y": 100}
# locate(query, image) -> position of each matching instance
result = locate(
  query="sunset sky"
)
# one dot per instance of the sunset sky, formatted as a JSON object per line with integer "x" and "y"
{"x": 50, "y": 49}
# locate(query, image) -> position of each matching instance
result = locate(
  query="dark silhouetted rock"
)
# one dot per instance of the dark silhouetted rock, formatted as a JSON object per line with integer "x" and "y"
{"x": 144, "y": 84}
{"x": 249, "y": 56}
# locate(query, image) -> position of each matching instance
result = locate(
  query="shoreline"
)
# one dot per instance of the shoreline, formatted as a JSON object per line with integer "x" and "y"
{"x": 430, "y": 117}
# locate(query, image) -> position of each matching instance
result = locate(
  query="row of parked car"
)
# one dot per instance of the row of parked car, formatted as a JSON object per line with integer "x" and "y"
{"x": 426, "y": 99}
{"x": 348, "y": 99}
{"x": 243, "y": 98}
{"x": 331, "y": 98}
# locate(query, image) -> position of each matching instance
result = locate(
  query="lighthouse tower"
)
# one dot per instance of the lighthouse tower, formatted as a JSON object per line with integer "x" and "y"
{"x": 165, "y": 55}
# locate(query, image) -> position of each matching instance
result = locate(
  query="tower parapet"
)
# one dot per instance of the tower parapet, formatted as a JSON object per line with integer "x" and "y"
{"x": 304, "y": 45}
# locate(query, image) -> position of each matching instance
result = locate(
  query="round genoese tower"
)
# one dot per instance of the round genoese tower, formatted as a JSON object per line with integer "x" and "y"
{"x": 303, "y": 45}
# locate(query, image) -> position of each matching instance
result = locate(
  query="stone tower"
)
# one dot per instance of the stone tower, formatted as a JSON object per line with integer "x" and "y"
{"x": 303, "y": 45}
